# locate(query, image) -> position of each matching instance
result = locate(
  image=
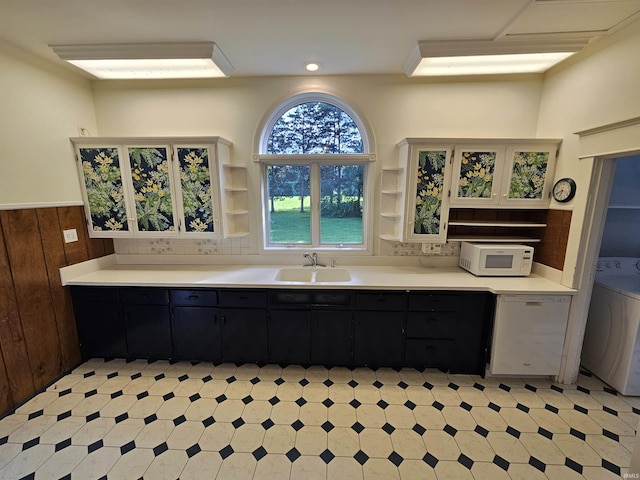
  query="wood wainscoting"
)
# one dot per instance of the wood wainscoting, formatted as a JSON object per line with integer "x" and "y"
{"x": 38, "y": 338}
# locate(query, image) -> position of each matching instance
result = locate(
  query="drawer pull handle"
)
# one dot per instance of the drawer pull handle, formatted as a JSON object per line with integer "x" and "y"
{"x": 193, "y": 297}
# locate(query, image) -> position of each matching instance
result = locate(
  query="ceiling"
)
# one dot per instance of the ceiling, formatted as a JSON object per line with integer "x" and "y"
{"x": 277, "y": 37}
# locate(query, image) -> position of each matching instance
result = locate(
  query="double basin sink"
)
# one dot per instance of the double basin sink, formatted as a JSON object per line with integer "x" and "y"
{"x": 313, "y": 275}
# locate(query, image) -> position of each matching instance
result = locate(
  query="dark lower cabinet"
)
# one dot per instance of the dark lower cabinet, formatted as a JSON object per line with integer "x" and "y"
{"x": 447, "y": 330}
{"x": 244, "y": 335}
{"x": 100, "y": 330}
{"x": 378, "y": 338}
{"x": 289, "y": 336}
{"x": 331, "y": 334}
{"x": 196, "y": 333}
{"x": 148, "y": 330}
{"x": 99, "y": 321}
{"x": 430, "y": 352}
{"x": 147, "y": 321}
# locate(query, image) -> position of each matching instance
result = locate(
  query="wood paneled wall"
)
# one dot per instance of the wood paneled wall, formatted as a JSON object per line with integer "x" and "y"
{"x": 553, "y": 248}
{"x": 38, "y": 338}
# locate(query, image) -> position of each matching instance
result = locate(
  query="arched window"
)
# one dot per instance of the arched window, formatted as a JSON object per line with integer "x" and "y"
{"x": 314, "y": 127}
{"x": 314, "y": 153}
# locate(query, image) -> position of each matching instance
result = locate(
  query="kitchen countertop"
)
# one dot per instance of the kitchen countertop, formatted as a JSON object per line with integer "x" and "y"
{"x": 106, "y": 272}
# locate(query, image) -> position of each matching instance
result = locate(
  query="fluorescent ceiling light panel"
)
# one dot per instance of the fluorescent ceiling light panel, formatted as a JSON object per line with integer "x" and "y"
{"x": 148, "y": 60}
{"x": 508, "y": 55}
{"x": 489, "y": 64}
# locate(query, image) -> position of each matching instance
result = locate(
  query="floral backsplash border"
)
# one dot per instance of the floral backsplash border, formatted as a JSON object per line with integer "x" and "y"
{"x": 179, "y": 246}
{"x": 242, "y": 246}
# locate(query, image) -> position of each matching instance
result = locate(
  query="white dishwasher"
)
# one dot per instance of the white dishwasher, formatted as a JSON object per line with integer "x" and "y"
{"x": 528, "y": 334}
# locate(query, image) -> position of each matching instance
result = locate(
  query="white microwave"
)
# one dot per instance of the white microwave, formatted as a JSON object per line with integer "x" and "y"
{"x": 496, "y": 260}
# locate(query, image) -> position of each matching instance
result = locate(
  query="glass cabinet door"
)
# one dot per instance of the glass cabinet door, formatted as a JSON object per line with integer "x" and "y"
{"x": 477, "y": 173}
{"x": 528, "y": 173}
{"x": 196, "y": 186}
{"x": 152, "y": 190}
{"x": 103, "y": 188}
{"x": 428, "y": 206}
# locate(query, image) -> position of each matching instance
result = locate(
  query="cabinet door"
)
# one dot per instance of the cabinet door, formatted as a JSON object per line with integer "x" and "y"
{"x": 475, "y": 316}
{"x": 244, "y": 335}
{"x": 477, "y": 175}
{"x": 152, "y": 190}
{"x": 289, "y": 336}
{"x": 430, "y": 353}
{"x": 196, "y": 188}
{"x": 331, "y": 337}
{"x": 427, "y": 201}
{"x": 101, "y": 330}
{"x": 148, "y": 331}
{"x": 378, "y": 338}
{"x": 196, "y": 334}
{"x": 528, "y": 174}
{"x": 105, "y": 197}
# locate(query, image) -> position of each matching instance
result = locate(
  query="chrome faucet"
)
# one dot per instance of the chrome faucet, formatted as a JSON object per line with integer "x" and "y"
{"x": 313, "y": 258}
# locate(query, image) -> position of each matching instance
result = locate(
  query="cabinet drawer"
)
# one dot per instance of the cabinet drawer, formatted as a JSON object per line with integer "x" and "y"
{"x": 432, "y": 324}
{"x": 309, "y": 298}
{"x": 204, "y": 298}
{"x": 94, "y": 294}
{"x": 436, "y": 301}
{"x": 381, "y": 301}
{"x": 429, "y": 353}
{"x": 243, "y": 298}
{"x": 144, "y": 295}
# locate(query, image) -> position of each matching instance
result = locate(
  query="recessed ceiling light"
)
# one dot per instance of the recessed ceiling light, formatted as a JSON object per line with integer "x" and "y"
{"x": 312, "y": 66}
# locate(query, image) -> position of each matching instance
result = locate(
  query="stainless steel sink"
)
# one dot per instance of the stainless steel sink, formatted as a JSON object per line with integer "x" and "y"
{"x": 313, "y": 275}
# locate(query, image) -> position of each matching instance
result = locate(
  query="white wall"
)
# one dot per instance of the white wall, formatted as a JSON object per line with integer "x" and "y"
{"x": 596, "y": 87}
{"x": 42, "y": 106}
{"x": 395, "y": 107}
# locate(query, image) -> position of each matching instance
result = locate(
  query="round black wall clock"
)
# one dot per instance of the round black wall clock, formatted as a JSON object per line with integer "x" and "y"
{"x": 564, "y": 190}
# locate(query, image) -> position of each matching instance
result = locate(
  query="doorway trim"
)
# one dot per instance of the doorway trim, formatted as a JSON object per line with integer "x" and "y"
{"x": 602, "y": 146}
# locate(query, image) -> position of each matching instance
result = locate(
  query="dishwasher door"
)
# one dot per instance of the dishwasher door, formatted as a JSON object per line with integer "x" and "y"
{"x": 528, "y": 334}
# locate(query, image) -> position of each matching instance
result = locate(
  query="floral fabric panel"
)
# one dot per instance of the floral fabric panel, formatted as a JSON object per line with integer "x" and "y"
{"x": 195, "y": 179}
{"x": 476, "y": 174}
{"x": 429, "y": 185}
{"x": 151, "y": 188}
{"x": 528, "y": 174}
{"x": 103, "y": 182}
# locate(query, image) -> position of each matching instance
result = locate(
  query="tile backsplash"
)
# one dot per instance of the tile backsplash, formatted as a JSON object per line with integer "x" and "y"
{"x": 180, "y": 246}
{"x": 242, "y": 246}
{"x": 449, "y": 249}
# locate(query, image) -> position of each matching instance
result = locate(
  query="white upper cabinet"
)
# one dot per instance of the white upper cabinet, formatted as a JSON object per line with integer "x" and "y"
{"x": 151, "y": 187}
{"x": 427, "y": 202}
{"x": 103, "y": 174}
{"x": 510, "y": 174}
{"x": 414, "y": 205}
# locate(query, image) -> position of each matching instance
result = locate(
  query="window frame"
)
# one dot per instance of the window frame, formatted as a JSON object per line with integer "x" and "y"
{"x": 314, "y": 161}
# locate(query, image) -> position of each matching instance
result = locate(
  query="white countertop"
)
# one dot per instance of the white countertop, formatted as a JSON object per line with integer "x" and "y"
{"x": 105, "y": 272}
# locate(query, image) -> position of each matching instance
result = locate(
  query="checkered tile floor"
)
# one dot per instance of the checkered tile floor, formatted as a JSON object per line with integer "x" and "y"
{"x": 162, "y": 420}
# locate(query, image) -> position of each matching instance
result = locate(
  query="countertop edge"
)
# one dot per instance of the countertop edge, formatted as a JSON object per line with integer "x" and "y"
{"x": 105, "y": 271}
